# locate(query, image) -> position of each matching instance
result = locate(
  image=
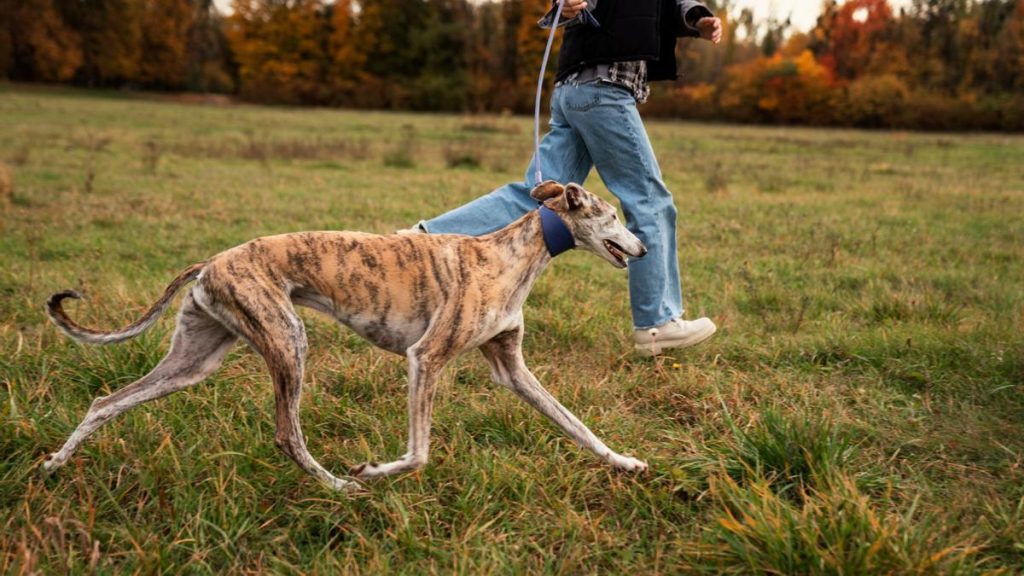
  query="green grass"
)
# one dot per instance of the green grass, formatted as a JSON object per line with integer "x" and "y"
{"x": 860, "y": 411}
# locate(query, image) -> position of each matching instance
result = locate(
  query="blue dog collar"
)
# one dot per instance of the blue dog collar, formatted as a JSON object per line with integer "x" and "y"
{"x": 557, "y": 236}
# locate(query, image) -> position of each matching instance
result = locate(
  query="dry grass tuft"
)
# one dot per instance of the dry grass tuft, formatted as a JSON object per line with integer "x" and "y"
{"x": 6, "y": 184}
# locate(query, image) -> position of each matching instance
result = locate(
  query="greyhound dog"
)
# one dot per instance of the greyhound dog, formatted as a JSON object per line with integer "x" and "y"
{"x": 428, "y": 297}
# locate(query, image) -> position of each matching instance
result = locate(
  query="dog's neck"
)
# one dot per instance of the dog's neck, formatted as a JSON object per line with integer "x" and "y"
{"x": 522, "y": 251}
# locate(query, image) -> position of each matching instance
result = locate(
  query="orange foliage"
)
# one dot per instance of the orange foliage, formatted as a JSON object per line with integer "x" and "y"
{"x": 278, "y": 49}
{"x": 858, "y": 40}
{"x": 530, "y": 43}
{"x": 698, "y": 100}
{"x": 779, "y": 89}
{"x": 55, "y": 49}
{"x": 346, "y": 56}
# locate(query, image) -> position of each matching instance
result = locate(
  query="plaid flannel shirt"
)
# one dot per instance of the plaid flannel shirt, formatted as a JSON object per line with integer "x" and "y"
{"x": 631, "y": 75}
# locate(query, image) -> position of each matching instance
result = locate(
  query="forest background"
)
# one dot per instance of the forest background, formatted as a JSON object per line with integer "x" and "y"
{"x": 931, "y": 64}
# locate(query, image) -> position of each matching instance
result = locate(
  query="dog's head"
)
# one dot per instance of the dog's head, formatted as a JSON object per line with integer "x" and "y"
{"x": 593, "y": 222}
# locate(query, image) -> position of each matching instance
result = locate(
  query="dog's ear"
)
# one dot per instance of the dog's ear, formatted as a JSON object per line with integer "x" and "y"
{"x": 574, "y": 198}
{"x": 545, "y": 190}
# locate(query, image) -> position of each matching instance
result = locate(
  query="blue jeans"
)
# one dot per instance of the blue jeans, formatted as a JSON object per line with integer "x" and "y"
{"x": 596, "y": 124}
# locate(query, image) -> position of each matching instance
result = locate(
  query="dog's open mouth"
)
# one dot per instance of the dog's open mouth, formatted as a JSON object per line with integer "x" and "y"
{"x": 617, "y": 252}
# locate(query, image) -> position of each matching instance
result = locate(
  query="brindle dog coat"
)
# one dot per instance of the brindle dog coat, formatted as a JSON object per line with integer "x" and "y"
{"x": 428, "y": 297}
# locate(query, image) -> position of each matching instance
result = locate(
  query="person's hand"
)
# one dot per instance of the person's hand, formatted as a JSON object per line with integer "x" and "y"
{"x": 572, "y": 8}
{"x": 709, "y": 28}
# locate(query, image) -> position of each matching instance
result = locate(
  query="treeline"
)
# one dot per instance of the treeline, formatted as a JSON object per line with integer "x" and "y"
{"x": 937, "y": 64}
{"x": 153, "y": 44}
{"x": 400, "y": 54}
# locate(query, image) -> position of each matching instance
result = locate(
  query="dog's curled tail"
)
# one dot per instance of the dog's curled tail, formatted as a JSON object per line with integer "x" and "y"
{"x": 55, "y": 310}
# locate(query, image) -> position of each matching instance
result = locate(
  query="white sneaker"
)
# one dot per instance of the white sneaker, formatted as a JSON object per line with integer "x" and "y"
{"x": 676, "y": 333}
{"x": 417, "y": 229}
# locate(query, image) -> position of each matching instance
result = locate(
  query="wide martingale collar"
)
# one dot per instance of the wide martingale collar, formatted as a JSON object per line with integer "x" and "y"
{"x": 557, "y": 236}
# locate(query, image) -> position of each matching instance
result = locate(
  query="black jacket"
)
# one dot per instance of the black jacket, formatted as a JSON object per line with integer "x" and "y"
{"x": 630, "y": 30}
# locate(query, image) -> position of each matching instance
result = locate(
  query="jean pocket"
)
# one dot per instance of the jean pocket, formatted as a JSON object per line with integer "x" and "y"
{"x": 582, "y": 98}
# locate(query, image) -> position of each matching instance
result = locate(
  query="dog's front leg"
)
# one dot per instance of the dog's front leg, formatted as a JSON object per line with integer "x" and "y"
{"x": 504, "y": 354}
{"x": 424, "y": 369}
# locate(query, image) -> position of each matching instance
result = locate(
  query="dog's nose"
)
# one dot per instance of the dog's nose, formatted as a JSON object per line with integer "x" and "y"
{"x": 643, "y": 251}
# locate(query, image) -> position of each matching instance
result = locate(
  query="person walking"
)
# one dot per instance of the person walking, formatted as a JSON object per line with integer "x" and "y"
{"x": 611, "y": 49}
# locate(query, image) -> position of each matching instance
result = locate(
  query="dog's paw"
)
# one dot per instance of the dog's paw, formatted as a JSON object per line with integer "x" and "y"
{"x": 627, "y": 464}
{"x": 342, "y": 485}
{"x": 51, "y": 463}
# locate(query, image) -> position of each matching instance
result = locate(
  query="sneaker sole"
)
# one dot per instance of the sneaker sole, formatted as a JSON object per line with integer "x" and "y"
{"x": 656, "y": 347}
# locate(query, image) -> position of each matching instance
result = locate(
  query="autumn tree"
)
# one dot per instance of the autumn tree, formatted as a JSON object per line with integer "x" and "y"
{"x": 111, "y": 38}
{"x": 853, "y": 38}
{"x": 1009, "y": 68}
{"x": 163, "y": 61}
{"x": 441, "y": 81}
{"x": 41, "y": 45}
{"x": 278, "y": 46}
{"x": 491, "y": 56}
{"x": 992, "y": 37}
{"x": 779, "y": 89}
{"x": 346, "y": 58}
{"x": 530, "y": 44}
{"x": 209, "y": 62}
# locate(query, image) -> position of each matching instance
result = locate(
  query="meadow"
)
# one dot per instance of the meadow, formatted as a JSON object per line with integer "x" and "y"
{"x": 861, "y": 410}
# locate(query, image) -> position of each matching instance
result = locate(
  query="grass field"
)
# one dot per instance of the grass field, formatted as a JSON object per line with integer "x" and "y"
{"x": 861, "y": 410}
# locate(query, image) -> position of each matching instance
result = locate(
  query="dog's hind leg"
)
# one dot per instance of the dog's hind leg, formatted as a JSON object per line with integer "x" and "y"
{"x": 505, "y": 355}
{"x": 197, "y": 349}
{"x": 282, "y": 342}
